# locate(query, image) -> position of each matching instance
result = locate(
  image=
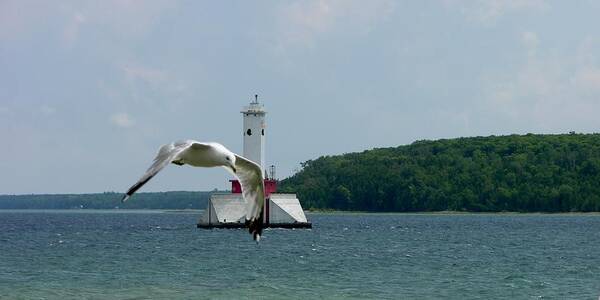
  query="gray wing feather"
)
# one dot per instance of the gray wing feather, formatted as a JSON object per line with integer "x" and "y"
{"x": 166, "y": 154}
{"x": 251, "y": 179}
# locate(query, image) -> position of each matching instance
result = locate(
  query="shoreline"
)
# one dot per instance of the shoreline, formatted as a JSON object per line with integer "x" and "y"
{"x": 315, "y": 212}
{"x": 449, "y": 212}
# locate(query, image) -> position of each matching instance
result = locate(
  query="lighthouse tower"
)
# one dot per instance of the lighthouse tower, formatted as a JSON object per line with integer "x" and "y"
{"x": 254, "y": 145}
{"x": 254, "y": 132}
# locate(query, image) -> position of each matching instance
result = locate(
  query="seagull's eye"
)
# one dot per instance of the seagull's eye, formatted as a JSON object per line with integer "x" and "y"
{"x": 227, "y": 158}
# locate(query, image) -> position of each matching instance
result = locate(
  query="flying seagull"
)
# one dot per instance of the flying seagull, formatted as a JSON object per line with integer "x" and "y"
{"x": 199, "y": 154}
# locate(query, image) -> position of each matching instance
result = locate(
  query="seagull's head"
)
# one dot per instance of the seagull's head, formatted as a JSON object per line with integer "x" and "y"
{"x": 230, "y": 161}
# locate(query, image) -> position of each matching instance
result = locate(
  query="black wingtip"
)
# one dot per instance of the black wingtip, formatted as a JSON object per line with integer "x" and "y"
{"x": 134, "y": 188}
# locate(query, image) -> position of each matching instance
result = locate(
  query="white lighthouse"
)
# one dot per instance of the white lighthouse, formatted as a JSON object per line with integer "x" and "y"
{"x": 228, "y": 210}
{"x": 254, "y": 132}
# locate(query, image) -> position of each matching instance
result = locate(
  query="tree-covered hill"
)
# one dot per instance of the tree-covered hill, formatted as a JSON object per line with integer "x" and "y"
{"x": 546, "y": 173}
{"x": 166, "y": 200}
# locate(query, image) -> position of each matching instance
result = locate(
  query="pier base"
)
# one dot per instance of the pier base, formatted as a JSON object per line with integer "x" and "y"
{"x": 229, "y": 211}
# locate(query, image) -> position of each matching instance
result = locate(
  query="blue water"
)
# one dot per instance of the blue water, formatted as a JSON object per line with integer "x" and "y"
{"x": 161, "y": 255}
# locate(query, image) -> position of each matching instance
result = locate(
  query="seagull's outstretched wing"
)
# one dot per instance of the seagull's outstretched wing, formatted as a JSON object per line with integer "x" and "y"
{"x": 251, "y": 179}
{"x": 166, "y": 154}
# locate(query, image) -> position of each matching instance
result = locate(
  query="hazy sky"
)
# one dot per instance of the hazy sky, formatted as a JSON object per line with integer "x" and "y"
{"x": 90, "y": 89}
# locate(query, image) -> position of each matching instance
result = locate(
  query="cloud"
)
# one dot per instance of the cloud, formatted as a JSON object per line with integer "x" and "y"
{"x": 550, "y": 90}
{"x": 122, "y": 120}
{"x": 304, "y": 21}
{"x": 588, "y": 79}
{"x": 489, "y": 11}
{"x": 150, "y": 75}
{"x": 71, "y": 30}
{"x": 47, "y": 110}
{"x": 123, "y": 18}
{"x": 20, "y": 17}
{"x": 151, "y": 85}
{"x": 530, "y": 40}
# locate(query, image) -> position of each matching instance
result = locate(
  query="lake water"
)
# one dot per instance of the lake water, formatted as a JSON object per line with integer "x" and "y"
{"x": 162, "y": 255}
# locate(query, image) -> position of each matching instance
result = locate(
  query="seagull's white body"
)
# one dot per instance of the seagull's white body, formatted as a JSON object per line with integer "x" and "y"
{"x": 209, "y": 155}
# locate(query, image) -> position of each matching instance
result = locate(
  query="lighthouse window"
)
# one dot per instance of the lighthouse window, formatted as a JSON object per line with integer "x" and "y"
{"x": 249, "y": 131}
{"x": 263, "y": 132}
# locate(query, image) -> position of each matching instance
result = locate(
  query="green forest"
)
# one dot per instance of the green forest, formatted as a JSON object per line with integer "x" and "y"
{"x": 523, "y": 173}
{"x": 108, "y": 200}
